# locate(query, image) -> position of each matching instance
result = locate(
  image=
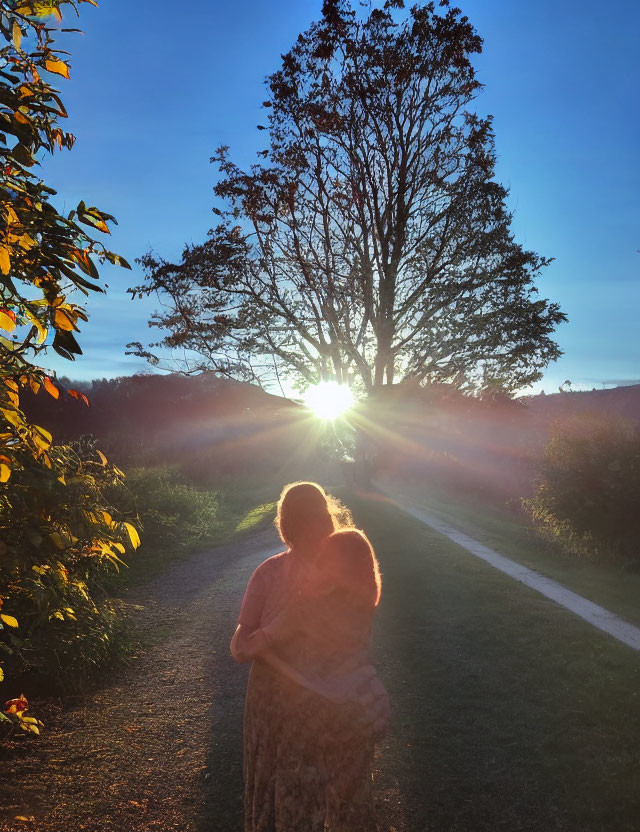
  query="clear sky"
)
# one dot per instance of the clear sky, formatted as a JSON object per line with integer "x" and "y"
{"x": 156, "y": 86}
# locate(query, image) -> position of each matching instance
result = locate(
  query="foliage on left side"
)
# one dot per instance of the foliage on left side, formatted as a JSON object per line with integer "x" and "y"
{"x": 56, "y": 530}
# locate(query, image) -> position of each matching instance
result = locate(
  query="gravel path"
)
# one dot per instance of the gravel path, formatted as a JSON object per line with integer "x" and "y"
{"x": 159, "y": 747}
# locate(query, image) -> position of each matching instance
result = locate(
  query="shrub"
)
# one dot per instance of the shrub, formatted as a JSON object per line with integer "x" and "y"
{"x": 59, "y": 537}
{"x": 588, "y": 488}
{"x": 175, "y": 515}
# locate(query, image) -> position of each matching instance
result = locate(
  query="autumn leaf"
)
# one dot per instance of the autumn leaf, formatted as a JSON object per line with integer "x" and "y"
{"x": 15, "y": 706}
{"x": 5, "y": 263}
{"x": 78, "y": 396}
{"x": 9, "y": 620}
{"x": 5, "y": 472}
{"x": 65, "y": 319}
{"x": 42, "y": 330}
{"x": 7, "y": 319}
{"x": 56, "y": 537}
{"x": 134, "y": 537}
{"x": 58, "y": 67}
{"x": 50, "y": 387}
{"x": 16, "y": 34}
{"x": 13, "y": 418}
{"x": 42, "y": 438}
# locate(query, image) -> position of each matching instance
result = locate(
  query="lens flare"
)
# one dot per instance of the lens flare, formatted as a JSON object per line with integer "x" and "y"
{"x": 328, "y": 400}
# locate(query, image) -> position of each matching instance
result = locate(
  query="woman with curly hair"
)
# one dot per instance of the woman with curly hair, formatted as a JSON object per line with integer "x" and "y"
{"x": 314, "y": 706}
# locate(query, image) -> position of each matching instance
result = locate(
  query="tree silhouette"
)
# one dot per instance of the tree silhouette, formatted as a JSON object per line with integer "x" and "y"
{"x": 371, "y": 243}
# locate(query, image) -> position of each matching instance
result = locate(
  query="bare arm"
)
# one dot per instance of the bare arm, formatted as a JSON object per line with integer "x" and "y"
{"x": 247, "y": 645}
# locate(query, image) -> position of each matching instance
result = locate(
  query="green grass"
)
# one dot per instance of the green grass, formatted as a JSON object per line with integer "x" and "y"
{"x": 509, "y": 713}
{"x": 179, "y": 517}
{"x": 257, "y": 518}
{"x": 511, "y": 535}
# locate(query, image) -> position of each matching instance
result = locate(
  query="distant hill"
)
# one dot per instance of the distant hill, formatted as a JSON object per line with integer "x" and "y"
{"x": 618, "y": 402}
{"x": 158, "y": 414}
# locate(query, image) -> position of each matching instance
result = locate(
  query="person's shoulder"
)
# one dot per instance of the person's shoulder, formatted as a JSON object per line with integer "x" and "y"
{"x": 273, "y": 564}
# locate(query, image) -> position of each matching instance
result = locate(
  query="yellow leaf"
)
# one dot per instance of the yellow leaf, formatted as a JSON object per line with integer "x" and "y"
{"x": 119, "y": 547}
{"x": 57, "y": 66}
{"x": 1, "y": 674}
{"x": 6, "y": 321}
{"x": 134, "y": 537}
{"x": 11, "y": 215}
{"x": 13, "y": 417}
{"x": 33, "y": 728}
{"x": 62, "y": 479}
{"x": 27, "y": 242}
{"x": 21, "y": 118}
{"x": 9, "y": 620}
{"x": 103, "y": 458}
{"x": 5, "y": 472}
{"x": 5, "y": 263}
{"x": 16, "y": 35}
{"x": 65, "y": 319}
{"x": 107, "y": 518}
{"x": 41, "y": 437}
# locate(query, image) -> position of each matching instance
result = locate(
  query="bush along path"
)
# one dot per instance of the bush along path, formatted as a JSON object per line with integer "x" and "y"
{"x": 509, "y": 712}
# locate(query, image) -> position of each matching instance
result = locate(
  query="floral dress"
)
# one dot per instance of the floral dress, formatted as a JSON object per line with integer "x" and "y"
{"x": 307, "y": 761}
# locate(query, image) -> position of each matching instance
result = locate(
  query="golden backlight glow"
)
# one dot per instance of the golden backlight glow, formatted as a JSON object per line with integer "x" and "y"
{"x": 328, "y": 400}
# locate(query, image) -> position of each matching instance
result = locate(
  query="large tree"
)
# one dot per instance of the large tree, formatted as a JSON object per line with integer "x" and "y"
{"x": 371, "y": 243}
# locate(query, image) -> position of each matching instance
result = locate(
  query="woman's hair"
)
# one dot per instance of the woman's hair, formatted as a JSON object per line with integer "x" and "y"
{"x": 307, "y": 514}
{"x": 349, "y": 563}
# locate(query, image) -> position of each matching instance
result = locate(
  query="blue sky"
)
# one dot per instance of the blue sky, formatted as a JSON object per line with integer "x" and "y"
{"x": 154, "y": 90}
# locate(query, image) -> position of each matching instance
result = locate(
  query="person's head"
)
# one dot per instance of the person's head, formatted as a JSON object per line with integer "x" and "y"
{"x": 348, "y": 564}
{"x": 306, "y": 515}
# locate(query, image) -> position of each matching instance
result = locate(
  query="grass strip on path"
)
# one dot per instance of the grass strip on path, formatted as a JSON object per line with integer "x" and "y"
{"x": 509, "y": 712}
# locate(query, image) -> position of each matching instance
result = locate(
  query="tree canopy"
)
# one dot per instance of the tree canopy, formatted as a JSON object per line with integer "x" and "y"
{"x": 371, "y": 242}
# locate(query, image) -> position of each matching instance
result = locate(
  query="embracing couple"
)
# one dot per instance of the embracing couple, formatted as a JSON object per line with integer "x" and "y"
{"x": 315, "y": 706}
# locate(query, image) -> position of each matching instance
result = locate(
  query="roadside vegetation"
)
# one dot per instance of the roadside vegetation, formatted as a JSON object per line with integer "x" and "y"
{"x": 588, "y": 487}
{"x": 57, "y": 530}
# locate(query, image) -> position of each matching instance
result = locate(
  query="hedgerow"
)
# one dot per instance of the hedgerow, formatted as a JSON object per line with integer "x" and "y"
{"x": 588, "y": 489}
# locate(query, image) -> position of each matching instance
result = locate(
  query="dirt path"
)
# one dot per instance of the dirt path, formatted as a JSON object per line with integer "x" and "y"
{"x": 509, "y": 713}
{"x": 159, "y": 748}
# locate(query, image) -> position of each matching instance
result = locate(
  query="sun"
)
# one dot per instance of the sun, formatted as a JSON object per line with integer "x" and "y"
{"x": 328, "y": 400}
